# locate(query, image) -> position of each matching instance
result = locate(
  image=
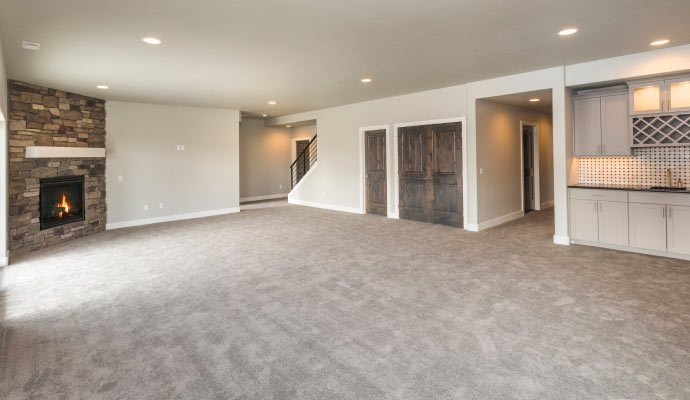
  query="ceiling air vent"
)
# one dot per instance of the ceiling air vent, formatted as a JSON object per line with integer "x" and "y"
{"x": 31, "y": 45}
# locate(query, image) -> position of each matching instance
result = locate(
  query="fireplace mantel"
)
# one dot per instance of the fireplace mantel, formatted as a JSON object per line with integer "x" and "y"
{"x": 64, "y": 152}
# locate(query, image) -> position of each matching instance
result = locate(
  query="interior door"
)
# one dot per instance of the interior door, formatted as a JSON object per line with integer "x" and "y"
{"x": 528, "y": 166}
{"x": 414, "y": 173}
{"x": 376, "y": 183}
{"x": 447, "y": 173}
{"x": 430, "y": 173}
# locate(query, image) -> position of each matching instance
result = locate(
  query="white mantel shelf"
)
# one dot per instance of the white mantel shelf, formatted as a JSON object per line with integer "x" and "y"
{"x": 64, "y": 152}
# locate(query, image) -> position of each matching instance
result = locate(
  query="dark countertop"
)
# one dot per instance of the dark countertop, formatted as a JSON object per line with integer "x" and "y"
{"x": 627, "y": 187}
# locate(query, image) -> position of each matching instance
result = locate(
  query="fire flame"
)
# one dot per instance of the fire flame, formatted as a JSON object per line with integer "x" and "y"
{"x": 64, "y": 205}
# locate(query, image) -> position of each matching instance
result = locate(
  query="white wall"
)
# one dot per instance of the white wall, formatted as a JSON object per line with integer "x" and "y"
{"x": 3, "y": 160}
{"x": 141, "y": 144}
{"x": 265, "y": 158}
{"x": 498, "y": 154}
{"x": 335, "y": 183}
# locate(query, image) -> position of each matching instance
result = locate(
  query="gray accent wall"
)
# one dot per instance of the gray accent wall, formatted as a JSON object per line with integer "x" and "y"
{"x": 141, "y": 145}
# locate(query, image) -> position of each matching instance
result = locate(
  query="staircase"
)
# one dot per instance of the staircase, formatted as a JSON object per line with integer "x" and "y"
{"x": 304, "y": 161}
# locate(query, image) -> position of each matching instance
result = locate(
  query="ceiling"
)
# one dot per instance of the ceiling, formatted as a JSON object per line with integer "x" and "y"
{"x": 310, "y": 54}
{"x": 523, "y": 100}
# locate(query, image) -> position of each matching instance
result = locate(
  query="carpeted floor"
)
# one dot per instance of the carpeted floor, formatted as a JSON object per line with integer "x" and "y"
{"x": 301, "y": 303}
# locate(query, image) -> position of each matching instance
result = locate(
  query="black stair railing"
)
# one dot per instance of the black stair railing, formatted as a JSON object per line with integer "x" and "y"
{"x": 304, "y": 161}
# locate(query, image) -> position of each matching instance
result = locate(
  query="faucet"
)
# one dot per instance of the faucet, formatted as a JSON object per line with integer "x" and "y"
{"x": 669, "y": 179}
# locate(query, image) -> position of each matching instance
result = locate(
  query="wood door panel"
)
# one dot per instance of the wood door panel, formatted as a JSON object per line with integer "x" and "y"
{"x": 430, "y": 173}
{"x": 376, "y": 180}
{"x": 445, "y": 155}
{"x": 413, "y": 150}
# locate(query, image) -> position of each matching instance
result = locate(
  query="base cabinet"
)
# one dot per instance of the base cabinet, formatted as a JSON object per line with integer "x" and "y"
{"x": 648, "y": 226}
{"x": 584, "y": 224}
{"x": 643, "y": 221}
{"x": 613, "y": 222}
{"x": 678, "y": 229}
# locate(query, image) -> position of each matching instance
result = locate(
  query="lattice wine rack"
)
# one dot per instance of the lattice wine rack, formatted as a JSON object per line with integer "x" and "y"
{"x": 661, "y": 130}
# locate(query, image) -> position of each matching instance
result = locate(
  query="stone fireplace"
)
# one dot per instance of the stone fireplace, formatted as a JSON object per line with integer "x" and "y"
{"x": 56, "y": 148}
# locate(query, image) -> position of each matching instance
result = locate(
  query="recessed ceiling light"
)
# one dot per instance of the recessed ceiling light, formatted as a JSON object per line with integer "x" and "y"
{"x": 568, "y": 31}
{"x": 273, "y": 103}
{"x": 660, "y": 42}
{"x": 151, "y": 40}
{"x": 288, "y": 126}
{"x": 103, "y": 87}
{"x": 366, "y": 80}
{"x": 534, "y": 100}
{"x": 264, "y": 115}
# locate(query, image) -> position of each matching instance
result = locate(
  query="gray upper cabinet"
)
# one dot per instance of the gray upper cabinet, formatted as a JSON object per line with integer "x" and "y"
{"x": 587, "y": 119}
{"x": 601, "y": 124}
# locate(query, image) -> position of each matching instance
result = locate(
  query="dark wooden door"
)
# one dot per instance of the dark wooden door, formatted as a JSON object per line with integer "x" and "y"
{"x": 430, "y": 173}
{"x": 303, "y": 163}
{"x": 528, "y": 167}
{"x": 375, "y": 154}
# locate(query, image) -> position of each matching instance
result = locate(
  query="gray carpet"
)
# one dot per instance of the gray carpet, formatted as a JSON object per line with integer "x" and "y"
{"x": 300, "y": 303}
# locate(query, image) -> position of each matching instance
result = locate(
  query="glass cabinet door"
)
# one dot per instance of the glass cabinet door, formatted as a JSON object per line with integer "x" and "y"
{"x": 646, "y": 98}
{"x": 678, "y": 94}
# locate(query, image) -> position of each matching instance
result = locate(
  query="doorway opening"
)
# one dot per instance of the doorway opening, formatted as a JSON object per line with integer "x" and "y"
{"x": 530, "y": 166}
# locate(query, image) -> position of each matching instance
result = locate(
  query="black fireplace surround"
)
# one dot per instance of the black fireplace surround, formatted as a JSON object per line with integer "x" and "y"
{"x": 61, "y": 200}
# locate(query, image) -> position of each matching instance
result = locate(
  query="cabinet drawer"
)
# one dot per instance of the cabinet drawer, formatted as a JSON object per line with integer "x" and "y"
{"x": 675, "y": 199}
{"x": 599, "y": 194}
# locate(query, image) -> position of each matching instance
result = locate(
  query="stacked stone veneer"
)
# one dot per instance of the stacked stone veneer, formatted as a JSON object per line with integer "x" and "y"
{"x": 40, "y": 116}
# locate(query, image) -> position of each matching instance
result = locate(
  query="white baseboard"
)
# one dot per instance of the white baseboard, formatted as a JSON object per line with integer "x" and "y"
{"x": 169, "y": 218}
{"x": 546, "y": 204}
{"x": 632, "y": 249}
{"x": 563, "y": 240}
{"x": 500, "y": 220}
{"x": 267, "y": 197}
{"x": 472, "y": 227}
{"x": 304, "y": 178}
{"x": 354, "y": 210}
{"x": 5, "y": 261}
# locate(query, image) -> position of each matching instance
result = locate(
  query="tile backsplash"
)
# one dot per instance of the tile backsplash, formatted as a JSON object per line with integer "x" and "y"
{"x": 646, "y": 168}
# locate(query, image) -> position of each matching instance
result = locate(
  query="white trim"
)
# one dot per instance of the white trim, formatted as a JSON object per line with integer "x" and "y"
{"x": 547, "y": 204}
{"x": 472, "y": 227}
{"x": 632, "y": 249}
{"x": 363, "y": 167}
{"x": 267, "y": 197}
{"x": 294, "y": 146}
{"x": 64, "y": 152}
{"x": 169, "y": 218}
{"x": 353, "y": 210}
{"x": 500, "y": 220}
{"x": 304, "y": 178}
{"x": 4, "y": 261}
{"x": 535, "y": 166}
{"x": 563, "y": 240}
{"x": 465, "y": 183}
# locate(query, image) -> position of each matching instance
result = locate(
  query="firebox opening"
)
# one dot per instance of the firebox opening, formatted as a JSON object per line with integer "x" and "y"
{"x": 61, "y": 200}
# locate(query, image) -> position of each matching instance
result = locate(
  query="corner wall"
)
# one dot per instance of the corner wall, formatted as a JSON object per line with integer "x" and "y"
{"x": 142, "y": 142}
